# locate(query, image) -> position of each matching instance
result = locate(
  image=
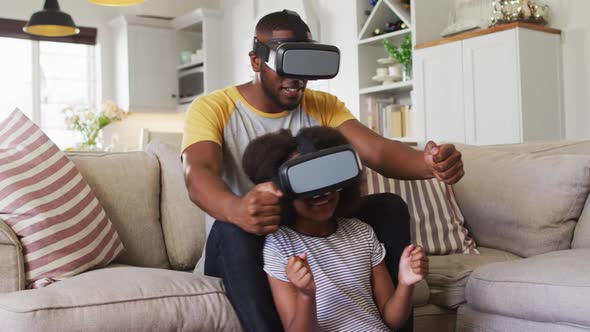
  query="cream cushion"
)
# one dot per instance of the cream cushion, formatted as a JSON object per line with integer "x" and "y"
{"x": 551, "y": 288}
{"x": 582, "y": 232}
{"x": 183, "y": 223}
{"x": 11, "y": 261}
{"x": 128, "y": 187}
{"x": 448, "y": 274}
{"x": 122, "y": 298}
{"x": 522, "y": 203}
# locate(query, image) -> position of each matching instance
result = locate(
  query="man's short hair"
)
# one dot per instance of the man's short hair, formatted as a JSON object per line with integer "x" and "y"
{"x": 281, "y": 21}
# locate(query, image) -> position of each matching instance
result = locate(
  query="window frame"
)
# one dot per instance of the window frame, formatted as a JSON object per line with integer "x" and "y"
{"x": 87, "y": 36}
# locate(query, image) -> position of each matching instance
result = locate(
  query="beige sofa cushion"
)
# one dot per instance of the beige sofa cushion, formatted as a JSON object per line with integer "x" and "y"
{"x": 122, "y": 298}
{"x": 183, "y": 222}
{"x": 522, "y": 203}
{"x": 12, "y": 274}
{"x": 552, "y": 287}
{"x": 469, "y": 320}
{"x": 448, "y": 274}
{"x": 434, "y": 318}
{"x": 128, "y": 187}
{"x": 582, "y": 231}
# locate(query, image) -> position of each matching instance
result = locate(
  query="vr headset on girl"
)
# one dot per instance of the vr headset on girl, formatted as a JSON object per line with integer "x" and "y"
{"x": 317, "y": 172}
{"x": 299, "y": 57}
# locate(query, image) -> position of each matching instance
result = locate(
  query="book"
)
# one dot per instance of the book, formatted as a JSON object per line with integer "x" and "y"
{"x": 375, "y": 113}
{"x": 406, "y": 120}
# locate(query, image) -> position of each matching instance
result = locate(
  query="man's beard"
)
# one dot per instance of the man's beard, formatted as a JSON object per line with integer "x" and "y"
{"x": 274, "y": 96}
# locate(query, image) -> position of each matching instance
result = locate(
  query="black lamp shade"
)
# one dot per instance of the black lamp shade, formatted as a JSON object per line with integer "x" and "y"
{"x": 51, "y": 22}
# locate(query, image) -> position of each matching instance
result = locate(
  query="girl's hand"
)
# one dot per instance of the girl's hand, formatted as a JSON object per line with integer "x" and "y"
{"x": 413, "y": 265}
{"x": 299, "y": 274}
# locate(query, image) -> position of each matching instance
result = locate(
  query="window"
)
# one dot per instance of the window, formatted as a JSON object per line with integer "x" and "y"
{"x": 41, "y": 78}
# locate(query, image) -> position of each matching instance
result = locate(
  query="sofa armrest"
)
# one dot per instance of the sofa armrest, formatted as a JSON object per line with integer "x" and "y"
{"x": 12, "y": 269}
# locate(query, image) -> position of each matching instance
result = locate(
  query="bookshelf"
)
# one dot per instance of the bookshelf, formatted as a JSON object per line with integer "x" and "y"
{"x": 423, "y": 21}
{"x": 380, "y": 88}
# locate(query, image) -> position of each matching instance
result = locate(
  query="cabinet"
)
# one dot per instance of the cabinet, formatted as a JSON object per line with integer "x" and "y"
{"x": 200, "y": 30}
{"x": 145, "y": 78}
{"x": 496, "y": 86}
{"x": 148, "y": 65}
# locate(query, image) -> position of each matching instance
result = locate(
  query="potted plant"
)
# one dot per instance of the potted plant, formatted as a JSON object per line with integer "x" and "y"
{"x": 403, "y": 55}
{"x": 90, "y": 123}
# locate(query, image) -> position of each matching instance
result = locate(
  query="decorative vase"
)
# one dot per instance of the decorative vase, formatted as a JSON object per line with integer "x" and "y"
{"x": 407, "y": 72}
{"x": 92, "y": 141}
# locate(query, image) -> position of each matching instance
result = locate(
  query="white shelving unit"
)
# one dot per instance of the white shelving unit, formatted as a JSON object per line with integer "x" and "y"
{"x": 425, "y": 21}
{"x": 200, "y": 29}
{"x": 370, "y": 49}
{"x": 189, "y": 65}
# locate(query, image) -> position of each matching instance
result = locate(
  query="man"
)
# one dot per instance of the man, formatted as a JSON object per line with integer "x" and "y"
{"x": 220, "y": 126}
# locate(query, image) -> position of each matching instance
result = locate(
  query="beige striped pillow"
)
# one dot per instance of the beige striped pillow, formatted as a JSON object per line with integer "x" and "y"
{"x": 436, "y": 222}
{"x": 44, "y": 199}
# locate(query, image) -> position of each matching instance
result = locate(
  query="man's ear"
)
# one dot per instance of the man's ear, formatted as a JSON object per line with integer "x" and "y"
{"x": 255, "y": 61}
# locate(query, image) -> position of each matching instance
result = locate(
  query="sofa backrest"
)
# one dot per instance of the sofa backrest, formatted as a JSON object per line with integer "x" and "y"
{"x": 183, "y": 222}
{"x": 128, "y": 187}
{"x": 581, "y": 147}
{"x": 526, "y": 198}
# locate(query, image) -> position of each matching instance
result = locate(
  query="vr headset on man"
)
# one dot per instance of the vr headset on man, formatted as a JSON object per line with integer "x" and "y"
{"x": 299, "y": 57}
{"x": 315, "y": 172}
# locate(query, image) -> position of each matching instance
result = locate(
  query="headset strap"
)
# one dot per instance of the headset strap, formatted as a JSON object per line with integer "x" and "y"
{"x": 293, "y": 18}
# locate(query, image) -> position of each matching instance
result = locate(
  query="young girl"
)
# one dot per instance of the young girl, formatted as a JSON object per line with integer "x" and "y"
{"x": 326, "y": 272}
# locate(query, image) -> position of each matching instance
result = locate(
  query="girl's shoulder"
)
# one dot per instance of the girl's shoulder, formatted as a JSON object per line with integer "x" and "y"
{"x": 354, "y": 225}
{"x": 283, "y": 235}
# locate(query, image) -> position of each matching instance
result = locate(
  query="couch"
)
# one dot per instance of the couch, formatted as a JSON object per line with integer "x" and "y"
{"x": 513, "y": 285}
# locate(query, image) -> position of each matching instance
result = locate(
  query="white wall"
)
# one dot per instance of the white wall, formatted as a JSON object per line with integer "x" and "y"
{"x": 571, "y": 16}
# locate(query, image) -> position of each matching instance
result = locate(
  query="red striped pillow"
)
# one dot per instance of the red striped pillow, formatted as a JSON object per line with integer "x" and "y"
{"x": 44, "y": 199}
{"x": 435, "y": 218}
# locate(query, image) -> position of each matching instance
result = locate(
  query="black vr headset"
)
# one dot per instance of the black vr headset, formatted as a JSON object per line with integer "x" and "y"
{"x": 299, "y": 57}
{"x": 316, "y": 173}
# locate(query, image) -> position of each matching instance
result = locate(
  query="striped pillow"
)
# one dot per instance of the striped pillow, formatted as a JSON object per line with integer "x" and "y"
{"x": 44, "y": 199}
{"x": 435, "y": 219}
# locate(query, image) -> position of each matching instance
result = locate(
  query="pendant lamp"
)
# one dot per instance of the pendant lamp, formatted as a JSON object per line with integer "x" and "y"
{"x": 51, "y": 22}
{"x": 115, "y": 3}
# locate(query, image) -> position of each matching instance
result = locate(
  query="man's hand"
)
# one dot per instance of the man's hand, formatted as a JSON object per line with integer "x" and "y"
{"x": 259, "y": 211}
{"x": 299, "y": 274}
{"x": 413, "y": 265}
{"x": 444, "y": 161}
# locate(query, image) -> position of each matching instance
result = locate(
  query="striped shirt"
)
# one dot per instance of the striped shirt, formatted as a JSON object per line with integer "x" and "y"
{"x": 341, "y": 264}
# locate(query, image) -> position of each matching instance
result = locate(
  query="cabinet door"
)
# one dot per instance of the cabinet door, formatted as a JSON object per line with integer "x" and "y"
{"x": 152, "y": 71}
{"x": 492, "y": 93}
{"x": 439, "y": 92}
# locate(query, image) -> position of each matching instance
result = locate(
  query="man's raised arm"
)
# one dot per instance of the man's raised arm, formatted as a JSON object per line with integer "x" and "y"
{"x": 398, "y": 160}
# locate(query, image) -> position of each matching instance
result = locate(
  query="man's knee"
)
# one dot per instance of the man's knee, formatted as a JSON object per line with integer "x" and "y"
{"x": 388, "y": 214}
{"x": 233, "y": 245}
{"x": 391, "y": 205}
